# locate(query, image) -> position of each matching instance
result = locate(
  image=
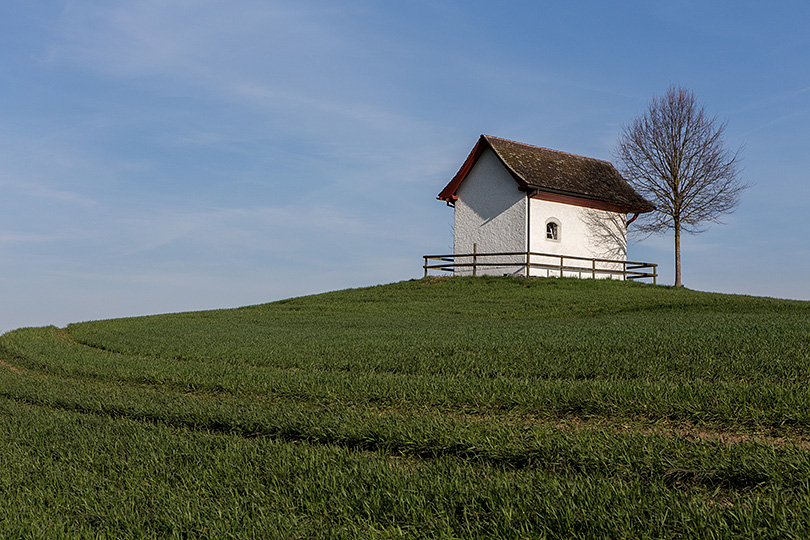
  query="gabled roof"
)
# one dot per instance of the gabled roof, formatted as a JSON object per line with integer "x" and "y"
{"x": 551, "y": 172}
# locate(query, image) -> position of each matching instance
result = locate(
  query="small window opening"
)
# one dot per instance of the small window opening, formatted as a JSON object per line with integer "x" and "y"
{"x": 552, "y": 231}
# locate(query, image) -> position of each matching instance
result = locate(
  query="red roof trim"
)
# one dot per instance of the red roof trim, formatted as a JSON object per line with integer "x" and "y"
{"x": 580, "y": 201}
{"x": 449, "y": 192}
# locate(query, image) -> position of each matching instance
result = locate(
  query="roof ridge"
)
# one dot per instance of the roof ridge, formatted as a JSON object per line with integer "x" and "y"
{"x": 548, "y": 149}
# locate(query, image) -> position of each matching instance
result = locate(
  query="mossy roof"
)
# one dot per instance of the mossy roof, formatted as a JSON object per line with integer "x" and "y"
{"x": 538, "y": 169}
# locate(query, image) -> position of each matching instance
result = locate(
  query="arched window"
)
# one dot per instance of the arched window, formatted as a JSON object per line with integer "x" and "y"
{"x": 552, "y": 230}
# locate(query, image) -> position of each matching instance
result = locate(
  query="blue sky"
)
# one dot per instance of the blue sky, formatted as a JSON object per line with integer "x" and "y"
{"x": 160, "y": 156}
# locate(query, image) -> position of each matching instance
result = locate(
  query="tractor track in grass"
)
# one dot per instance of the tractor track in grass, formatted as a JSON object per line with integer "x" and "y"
{"x": 640, "y": 425}
{"x": 10, "y": 367}
{"x": 545, "y": 456}
{"x": 647, "y": 427}
{"x": 689, "y": 431}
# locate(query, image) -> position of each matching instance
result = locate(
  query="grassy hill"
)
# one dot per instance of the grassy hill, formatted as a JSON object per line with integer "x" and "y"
{"x": 437, "y": 408}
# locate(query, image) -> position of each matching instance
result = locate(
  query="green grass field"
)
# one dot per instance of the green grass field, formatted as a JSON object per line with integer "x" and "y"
{"x": 438, "y": 408}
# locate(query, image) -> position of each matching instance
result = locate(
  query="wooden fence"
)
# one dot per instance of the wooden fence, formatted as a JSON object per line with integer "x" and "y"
{"x": 523, "y": 262}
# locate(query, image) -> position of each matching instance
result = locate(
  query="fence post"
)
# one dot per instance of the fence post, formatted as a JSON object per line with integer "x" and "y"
{"x": 593, "y": 273}
{"x": 561, "y": 266}
{"x": 528, "y": 263}
{"x": 624, "y": 271}
{"x": 425, "y": 265}
{"x": 475, "y": 257}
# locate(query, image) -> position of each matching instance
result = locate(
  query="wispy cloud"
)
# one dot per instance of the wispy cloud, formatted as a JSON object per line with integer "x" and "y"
{"x": 299, "y": 69}
{"x": 9, "y": 238}
{"x": 195, "y": 40}
{"x": 279, "y": 230}
{"x": 55, "y": 167}
{"x": 41, "y": 191}
{"x": 777, "y": 120}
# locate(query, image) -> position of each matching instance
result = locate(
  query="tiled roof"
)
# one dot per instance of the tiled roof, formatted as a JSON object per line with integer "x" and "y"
{"x": 551, "y": 171}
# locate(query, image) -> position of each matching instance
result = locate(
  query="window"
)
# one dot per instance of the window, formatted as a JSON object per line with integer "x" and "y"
{"x": 552, "y": 230}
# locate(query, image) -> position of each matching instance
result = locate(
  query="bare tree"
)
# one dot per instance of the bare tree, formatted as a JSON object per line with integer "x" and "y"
{"x": 674, "y": 155}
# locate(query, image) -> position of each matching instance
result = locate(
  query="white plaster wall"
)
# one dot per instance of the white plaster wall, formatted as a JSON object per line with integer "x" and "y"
{"x": 583, "y": 232}
{"x": 491, "y": 212}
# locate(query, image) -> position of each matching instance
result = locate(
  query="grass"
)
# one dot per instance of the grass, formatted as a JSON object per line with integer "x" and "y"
{"x": 437, "y": 408}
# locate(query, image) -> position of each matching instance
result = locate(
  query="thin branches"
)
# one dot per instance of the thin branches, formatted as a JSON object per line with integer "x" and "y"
{"x": 674, "y": 155}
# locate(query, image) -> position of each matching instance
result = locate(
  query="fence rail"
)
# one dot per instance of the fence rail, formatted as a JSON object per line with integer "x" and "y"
{"x": 554, "y": 265}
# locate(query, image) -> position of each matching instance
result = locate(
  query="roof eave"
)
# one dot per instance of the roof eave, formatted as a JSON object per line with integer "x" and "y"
{"x": 603, "y": 203}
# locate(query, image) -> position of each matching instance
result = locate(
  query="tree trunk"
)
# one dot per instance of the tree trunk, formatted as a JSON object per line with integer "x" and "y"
{"x": 678, "y": 254}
